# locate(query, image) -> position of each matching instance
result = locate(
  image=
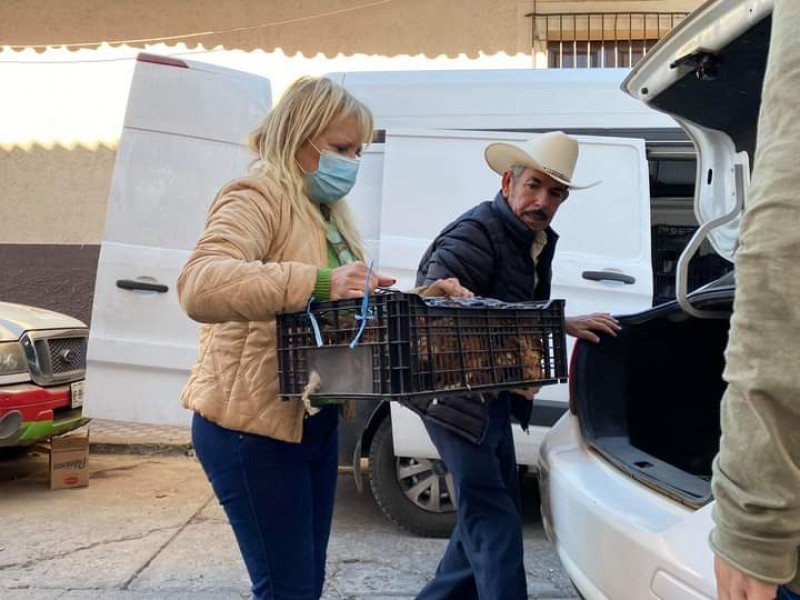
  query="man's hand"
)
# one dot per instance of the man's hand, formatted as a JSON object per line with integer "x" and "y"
{"x": 732, "y": 584}
{"x": 584, "y": 326}
{"x": 450, "y": 288}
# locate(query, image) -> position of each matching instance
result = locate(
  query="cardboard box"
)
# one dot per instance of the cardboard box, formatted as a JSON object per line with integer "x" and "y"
{"x": 69, "y": 460}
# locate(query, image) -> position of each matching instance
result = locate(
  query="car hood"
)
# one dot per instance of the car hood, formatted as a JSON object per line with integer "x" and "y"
{"x": 707, "y": 74}
{"x": 16, "y": 319}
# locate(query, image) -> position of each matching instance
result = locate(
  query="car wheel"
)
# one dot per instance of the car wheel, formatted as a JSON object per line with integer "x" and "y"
{"x": 414, "y": 493}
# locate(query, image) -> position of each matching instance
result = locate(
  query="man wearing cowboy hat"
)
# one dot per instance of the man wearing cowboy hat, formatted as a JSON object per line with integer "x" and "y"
{"x": 500, "y": 249}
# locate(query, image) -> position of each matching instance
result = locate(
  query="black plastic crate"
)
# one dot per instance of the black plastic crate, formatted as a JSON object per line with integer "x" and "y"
{"x": 413, "y": 346}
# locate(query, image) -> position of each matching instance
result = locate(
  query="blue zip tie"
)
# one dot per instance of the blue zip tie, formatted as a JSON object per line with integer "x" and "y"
{"x": 366, "y": 313}
{"x": 314, "y": 324}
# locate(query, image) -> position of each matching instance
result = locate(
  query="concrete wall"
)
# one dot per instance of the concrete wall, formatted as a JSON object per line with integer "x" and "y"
{"x": 53, "y": 208}
{"x": 57, "y": 144}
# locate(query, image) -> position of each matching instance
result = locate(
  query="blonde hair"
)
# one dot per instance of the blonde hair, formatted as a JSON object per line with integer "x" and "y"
{"x": 306, "y": 110}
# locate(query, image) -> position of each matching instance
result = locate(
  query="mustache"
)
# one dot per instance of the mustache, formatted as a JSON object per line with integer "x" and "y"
{"x": 537, "y": 213}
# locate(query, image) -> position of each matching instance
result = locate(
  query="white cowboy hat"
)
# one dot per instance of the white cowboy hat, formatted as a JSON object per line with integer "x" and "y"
{"x": 553, "y": 153}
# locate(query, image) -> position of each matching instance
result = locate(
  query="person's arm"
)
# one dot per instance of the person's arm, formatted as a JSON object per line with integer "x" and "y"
{"x": 348, "y": 281}
{"x": 756, "y": 475}
{"x": 225, "y": 278}
{"x": 585, "y": 326}
{"x": 449, "y": 288}
{"x": 733, "y": 583}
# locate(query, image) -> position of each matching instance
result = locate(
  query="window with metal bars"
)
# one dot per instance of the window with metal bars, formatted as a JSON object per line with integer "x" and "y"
{"x": 599, "y": 40}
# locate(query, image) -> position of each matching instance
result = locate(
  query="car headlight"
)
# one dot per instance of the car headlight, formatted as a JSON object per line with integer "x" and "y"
{"x": 12, "y": 359}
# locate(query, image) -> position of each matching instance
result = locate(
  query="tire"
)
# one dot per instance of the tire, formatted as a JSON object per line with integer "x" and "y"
{"x": 14, "y": 452}
{"x": 413, "y": 493}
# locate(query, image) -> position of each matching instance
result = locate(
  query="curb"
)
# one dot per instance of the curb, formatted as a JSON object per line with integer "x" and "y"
{"x": 142, "y": 448}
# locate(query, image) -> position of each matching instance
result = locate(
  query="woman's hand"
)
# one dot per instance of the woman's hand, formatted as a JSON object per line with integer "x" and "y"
{"x": 583, "y": 327}
{"x": 450, "y": 288}
{"x": 349, "y": 281}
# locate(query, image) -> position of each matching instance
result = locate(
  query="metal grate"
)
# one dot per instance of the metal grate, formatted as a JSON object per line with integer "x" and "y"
{"x": 56, "y": 357}
{"x": 67, "y": 355}
{"x": 599, "y": 40}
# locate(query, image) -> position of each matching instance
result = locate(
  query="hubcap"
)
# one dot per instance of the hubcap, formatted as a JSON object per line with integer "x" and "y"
{"x": 427, "y": 484}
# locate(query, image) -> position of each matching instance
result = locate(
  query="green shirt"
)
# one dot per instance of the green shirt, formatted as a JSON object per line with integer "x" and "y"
{"x": 338, "y": 255}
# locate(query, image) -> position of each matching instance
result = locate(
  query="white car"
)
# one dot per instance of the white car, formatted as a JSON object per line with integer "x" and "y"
{"x": 625, "y": 474}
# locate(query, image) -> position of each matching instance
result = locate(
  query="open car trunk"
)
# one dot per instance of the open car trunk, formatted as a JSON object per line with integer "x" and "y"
{"x": 649, "y": 399}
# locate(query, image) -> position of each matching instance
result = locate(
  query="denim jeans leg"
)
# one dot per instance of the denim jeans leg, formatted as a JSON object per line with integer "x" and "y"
{"x": 454, "y": 577}
{"x": 324, "y": 470}
{"x": 271, "y": 492}
{"x": 488, "y": 535}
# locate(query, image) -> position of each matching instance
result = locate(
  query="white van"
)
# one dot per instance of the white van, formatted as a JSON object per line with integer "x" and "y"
{"x": 423, "y": 170}
{"x": 182, "y": 138}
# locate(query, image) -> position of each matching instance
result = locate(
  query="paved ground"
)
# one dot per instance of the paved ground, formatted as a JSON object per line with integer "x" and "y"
{"x": 148, "y": 527}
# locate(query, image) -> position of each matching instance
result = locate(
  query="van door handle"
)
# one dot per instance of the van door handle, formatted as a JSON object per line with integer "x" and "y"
{"x": 609, "y": 276}
{"x": 132, "y": 284}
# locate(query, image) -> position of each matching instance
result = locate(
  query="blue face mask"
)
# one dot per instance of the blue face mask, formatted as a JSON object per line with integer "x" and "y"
{"x": 334, "y": 178}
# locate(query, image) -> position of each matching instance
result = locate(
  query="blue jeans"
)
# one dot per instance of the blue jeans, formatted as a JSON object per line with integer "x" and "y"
{"x": 484, "y": 557}
{"x": 785, "y": 594}
{"x": 278, "y": 497}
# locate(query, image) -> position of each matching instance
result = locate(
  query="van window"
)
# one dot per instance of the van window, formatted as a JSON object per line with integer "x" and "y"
{"x": 672, "y": 182}
{"x": 672, "y": 178}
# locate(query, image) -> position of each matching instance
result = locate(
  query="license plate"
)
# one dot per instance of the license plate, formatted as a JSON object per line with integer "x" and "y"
{"x": 76, "y": 392}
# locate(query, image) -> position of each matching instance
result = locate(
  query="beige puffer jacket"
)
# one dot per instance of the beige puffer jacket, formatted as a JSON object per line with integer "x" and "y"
{"x": 255, "y": 259}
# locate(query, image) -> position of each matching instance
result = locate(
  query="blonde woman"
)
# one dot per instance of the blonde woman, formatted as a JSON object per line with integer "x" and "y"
{"x": 271, "y": 241}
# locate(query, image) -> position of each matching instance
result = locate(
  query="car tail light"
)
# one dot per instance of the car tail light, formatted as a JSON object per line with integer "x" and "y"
{"x": 573, "y": 401}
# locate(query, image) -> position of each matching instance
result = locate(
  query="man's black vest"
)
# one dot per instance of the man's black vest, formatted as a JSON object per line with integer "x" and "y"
{"x": 488, "y": 249}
